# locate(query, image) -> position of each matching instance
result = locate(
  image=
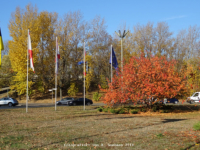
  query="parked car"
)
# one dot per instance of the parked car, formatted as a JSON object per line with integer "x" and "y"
{"x": 195, "y": 98}
{"x": 80, "y": 101}
{"x": 171, "y": 100}
{"x": 8, "y": 101}
{"x": 64, "y": 101}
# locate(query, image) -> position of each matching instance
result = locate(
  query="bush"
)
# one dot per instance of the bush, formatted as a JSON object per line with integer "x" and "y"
{"x": 134, "y": 111}
{"x": 197, "y": 126}
{"x": 100, "y": 109}
{"x": 169, "y": 107}
{"x": 144, "y": 110}
{"x": 154, "y": 108}
{"x": 96, "y": 96}
{"x": 72, "y": 90}
{"x": 128, "y": 108}
{"x": 113, "y": 111}
{"x": 121, "y": 111}
{"x": 105, "y": 110}
{"x": 164, "y": 111}
{"x": 103, "y": 82}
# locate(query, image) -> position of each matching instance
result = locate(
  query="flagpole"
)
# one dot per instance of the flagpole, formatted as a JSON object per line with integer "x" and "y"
{"x": 56, "y": 75}
{"x": 27, "y": 78}
{"x": 84, "y": 73}
{"x": 111, "y": 64}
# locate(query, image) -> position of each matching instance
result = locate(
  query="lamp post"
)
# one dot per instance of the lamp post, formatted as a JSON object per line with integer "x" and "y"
{"x": 54, "y": 89}
{"x": 122, "y": 36}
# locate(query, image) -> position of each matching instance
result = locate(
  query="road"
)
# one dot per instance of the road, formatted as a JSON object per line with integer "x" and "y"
{"x": 37, "y": 105}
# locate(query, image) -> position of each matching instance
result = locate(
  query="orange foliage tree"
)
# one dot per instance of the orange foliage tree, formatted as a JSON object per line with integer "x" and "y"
{"x": 149, "y": 79}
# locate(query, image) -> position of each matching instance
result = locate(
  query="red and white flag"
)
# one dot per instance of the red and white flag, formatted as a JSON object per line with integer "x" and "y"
{"x": 57, "y": 57}
{"x": 30, "y": 51}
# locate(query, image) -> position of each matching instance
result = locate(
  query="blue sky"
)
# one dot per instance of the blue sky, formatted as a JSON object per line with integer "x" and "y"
{"x": 179, "y": 14}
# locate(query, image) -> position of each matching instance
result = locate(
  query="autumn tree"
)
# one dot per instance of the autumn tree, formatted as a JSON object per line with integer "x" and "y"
{"x": 45, "y": 66}
{"x": 99, "y": 48}
{"x": 20, "y": 22}
{"x": 150, "y": 39}
{"x": 6, "y": 72}
{"x": 73, "y": 32}
{"x": 149, "y": 79}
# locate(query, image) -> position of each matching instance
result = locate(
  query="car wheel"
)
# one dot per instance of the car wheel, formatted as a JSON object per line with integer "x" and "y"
{"x": 88, "y": 103}
{"x": 191, "y": 102}
{"x": 74, "y": 104}
{"x": 175, "y": 102}
{"x": 59, "y": 104}
{"x": 10, "y": 104}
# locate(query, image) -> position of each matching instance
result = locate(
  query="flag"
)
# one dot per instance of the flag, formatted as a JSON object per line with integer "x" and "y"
{"x": 113, "y": 60}
{"x": 1, "y": 45}
{"x": 1, "y": 41}
{"x": 57, "y": 57}
{"x": 82, "y": 62}
{"x": 30, "y": 51}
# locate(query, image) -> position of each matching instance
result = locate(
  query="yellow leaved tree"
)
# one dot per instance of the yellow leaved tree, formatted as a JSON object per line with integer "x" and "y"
{"x": 22, "y": 20}
{"x": 90, "y": 72}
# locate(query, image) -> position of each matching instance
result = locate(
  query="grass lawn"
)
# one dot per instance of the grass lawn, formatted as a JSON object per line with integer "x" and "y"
{"x": 73, "y": 128}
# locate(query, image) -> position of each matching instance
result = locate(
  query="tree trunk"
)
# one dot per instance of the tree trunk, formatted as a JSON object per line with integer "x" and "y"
{"x": 60, "y": 93}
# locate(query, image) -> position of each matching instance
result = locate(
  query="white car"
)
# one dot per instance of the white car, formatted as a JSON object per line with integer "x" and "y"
{"x": 195, "y": 98}
{"x": 8, "y": 101}
{"x": 64, "y": 101}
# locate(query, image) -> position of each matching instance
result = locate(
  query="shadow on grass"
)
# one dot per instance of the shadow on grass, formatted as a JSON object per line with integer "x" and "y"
{"x": 172, "y": 120}
{"x": 189, "y": 147}
{"x": 173, "y": 108}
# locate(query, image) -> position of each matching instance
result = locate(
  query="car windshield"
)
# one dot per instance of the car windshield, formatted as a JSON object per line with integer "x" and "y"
{"x": 196, "y": 94}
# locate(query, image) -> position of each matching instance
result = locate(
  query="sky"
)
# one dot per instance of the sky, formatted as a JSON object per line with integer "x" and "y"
{"x": 179, "y": 14}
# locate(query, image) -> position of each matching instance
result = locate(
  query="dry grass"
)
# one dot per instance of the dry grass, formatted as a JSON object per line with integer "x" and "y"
{"x": 45, "y": 128}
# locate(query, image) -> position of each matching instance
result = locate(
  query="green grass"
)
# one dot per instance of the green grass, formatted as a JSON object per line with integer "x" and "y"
{"x": 160, "y": 135}
{"x": 134, "y": 111}
{"x": 45, "y": 128}
{"x": 196, "y": 126}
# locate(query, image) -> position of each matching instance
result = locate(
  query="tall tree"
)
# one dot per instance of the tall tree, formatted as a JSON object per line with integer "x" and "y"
{"x": 20, "y": 22}
{"x": 46, "y": 54}
{"x": 99, "y": 47}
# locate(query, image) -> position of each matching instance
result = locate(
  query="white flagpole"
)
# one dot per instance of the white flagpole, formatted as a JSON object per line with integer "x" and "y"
{"x": 84, "y": 74}
{"x": 56, "y": 74}
{"x": 111, "y": 64}
{"x": 27, "y": 75}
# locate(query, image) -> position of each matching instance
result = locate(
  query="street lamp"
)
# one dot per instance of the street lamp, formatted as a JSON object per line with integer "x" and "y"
{"x": 54, "y": 89}
{"x": 122, "y": 36}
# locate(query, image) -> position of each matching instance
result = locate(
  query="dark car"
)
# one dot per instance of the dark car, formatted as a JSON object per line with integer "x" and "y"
{"x": 80, "y": 101}
{"x": 8, "y": 101}
{"x": 171, "y": 100}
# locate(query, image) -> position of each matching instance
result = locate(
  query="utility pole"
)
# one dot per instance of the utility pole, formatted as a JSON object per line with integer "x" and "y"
{"x": 122, "y": 36}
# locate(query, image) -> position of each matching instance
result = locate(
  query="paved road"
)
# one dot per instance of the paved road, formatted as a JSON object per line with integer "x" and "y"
{"x": 37, "y": 105}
